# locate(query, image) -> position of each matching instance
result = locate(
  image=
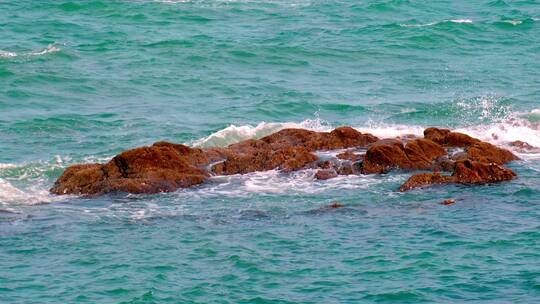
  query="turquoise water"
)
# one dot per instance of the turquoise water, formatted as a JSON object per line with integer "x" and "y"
{"x": 82, "y": 81}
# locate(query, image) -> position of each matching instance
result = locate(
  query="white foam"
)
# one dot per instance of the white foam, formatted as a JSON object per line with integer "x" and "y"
{"x": 419, "y": 25}
{"x": 49, "y": 49}
{"x": 275, "y": 182}
{"x": 437, "y": 22}
{"x": 7, "y": 166}
{"x": 391, "y": 130}
{"x": 513, "y": 22}
{"x": 233, "y": 134}
{"x": 461, "y": 21}
{"x": 35, "y": 194}
{"x": 6, "y": 54}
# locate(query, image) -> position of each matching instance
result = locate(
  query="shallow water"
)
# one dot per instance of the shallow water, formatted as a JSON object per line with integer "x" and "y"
{"x": 82, "y": 81}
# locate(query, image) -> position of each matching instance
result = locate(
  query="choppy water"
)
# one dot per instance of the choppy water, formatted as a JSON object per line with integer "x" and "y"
{"x": 82, "y": 81}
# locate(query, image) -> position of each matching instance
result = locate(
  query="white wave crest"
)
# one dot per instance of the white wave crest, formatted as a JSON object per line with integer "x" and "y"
{"x": 437, "y": 22}
{"x": 6, "y": 54}
{"x": 51, "y": 48}
{"x": 461, "y": 21}
{"x": 233, "y": 134}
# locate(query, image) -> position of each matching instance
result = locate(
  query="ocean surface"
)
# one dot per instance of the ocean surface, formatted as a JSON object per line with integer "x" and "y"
{"x": 81, "y": 81}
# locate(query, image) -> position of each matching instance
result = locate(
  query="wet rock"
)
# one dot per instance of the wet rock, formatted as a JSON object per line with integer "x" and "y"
{"x": 286, "y": 159}
{"x": 466, "y": 172}
{"x": 443, "y": 163}
{"x": 437, "y": 135}
{"x": 488, "y": 153}
{"x": 343, "y": 137}
{"x": 385, "y": 155}
{"x": 159, "y": 168}
{"x": 456, "y": 139}
{"x": 447, "y": 138}
{"x": 326, "y": 174}
{"x": 474, "y": 172}
{"x": 422, "y": 153}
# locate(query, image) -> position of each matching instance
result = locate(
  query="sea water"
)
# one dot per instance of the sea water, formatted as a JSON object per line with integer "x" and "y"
{"x": 81, "y": 81}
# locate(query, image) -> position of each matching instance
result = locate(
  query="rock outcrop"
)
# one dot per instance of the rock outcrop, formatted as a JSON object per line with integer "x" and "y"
{"x": 165, "y": 167}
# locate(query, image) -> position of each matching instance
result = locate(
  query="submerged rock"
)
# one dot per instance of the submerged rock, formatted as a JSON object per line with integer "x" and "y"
{"x": 326, "y": 174}
{"x": 449, "y": 201}
{"x": 165, "y": 166}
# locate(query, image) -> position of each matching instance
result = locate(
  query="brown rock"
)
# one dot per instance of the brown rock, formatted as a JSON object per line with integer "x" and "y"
{"x": 473, "y": 172}
{"x": 326, "y": 174}
{"x": 422, "y": 152}
{"x": 488, "y": 153}
{"x": 456, "y": 139}
{"x": 343, "y": 137}
{"x": 385, "y": 155}
{"x": 447, "y": 138}
{"x": 159, "y": 168}
{"x": 437, "y": 135}
{"x": 288, "y": 159}
{"x": 466, "y": 172}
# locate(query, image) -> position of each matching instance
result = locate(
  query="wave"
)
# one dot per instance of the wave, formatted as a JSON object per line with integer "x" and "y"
{"x": 233, "y": 134}
{"x": 437, "y": 22}
{"x": 503, "y": 131}
{"x": 51, "y": 48}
